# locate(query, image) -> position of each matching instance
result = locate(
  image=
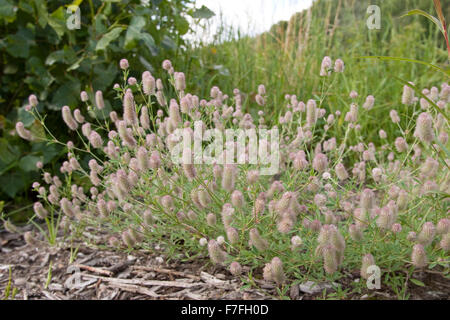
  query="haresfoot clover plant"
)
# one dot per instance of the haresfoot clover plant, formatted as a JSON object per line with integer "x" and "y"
{"x": 335, "y": 195}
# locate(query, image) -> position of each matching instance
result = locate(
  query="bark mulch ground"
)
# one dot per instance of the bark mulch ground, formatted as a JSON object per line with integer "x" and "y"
{"x": 44, "y": 272}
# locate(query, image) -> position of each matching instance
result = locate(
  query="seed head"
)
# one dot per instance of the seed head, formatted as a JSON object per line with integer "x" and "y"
{"x": 445, "y": 242}
{"x": 408, "y": 95}
{"x": 78, "y": 116}
{"x": 128, "y": 239}
{"x": 320, "y": 162}
{"x": 370, "y": 101}
{"x": 180, "y": 81}
{"x": 229, "y": 177}
{"x": 285, "y": 224}
{"x": 232, "y": 235}
{"x": 237, "y": 199}
{"x": 402, "y": 200}
{"x": 394, "y": 116}
{"x": 419, "y": 256}
{"x": 412, "y": 236}
{"x": 355, "y": 232}
{"x": 326, "y": 65}
{"x": 167, "y": 65}
{"x": 29, "y": 238}
{"x": 33, "y": 100}
{"x": 296, "y": 242}
{"x": 129, "y": 109}
{"x": 424, "y": 128}
{"x": 125, "y": 135}
{"x": 427, "y": 234}
{"x": 216, "y": 254}
{"x": 401, "y": 145}
{"x": 353, "y": 94}
{"x": 267, "y": 272}
{"x": 95, "y": 139}
{"x": 339, "y": 65}
{"x": 311, "y": 113}
{"x": 100, "y": 103}
{"x": 22, "y": 132}
{"x": 124, "y": 64}
{"x": 367, "y": 199}
{"x": 277, "y": 271}
{"x": 385, "y": 218}
{"x": 235, "y": 268}
{"x": 330, "y": 263}
{"x": 39, "y": 210}
{"x": 257, "y": 241}
{"x": 204, "y": 197}
{"x": 367, "y": 261}
{"x": 396, "y": 228}
{"x": 211, "y": 219}
{"x": 67, "y": 207}
{"x": 443, "y": 226}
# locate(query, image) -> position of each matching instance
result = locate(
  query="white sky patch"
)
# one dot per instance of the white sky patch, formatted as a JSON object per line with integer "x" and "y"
{"x": 250, "y": 17}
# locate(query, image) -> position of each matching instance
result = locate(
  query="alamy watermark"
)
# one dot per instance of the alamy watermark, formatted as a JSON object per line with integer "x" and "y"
{"x": 233, "y": 146}
{"x": 374, "y": 20}
{"x": 74, "y": 19}
{"x": 374, "y": 280}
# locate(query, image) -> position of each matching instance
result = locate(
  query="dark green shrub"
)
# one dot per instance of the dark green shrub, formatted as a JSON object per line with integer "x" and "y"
{"x": 44, "y": 52}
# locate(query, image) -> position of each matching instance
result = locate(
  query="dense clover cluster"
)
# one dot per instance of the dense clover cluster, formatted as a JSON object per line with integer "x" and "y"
{"x": 330, "y": 207}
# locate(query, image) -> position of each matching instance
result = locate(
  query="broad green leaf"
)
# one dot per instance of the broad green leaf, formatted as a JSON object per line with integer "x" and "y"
{"x": 48, "y": 150}
{"x": 11, "y": 183}
{"x": 55, "y": 56}
{"x": 25, "y": 117}
{"x": 7, "y": 153}
{"x": 66, "y": 94}
{"x": 37, "y": 130}
{"x": 28, "y": 163}
{"x": 67, "y": 55}
{"x": 18, "y": 44}
{"x": 42, "y": 13}
{"x": 7, "y": 10}
{"x": 104, "y": 76}
{"x": 203, "y": 13}
{"x": 107, "y": 38}
{"x": 75, "y": 65}
{"x": 10, "y": 69}
{"x": 182, "y": 25}
{"x": 57, "y": 21}
{"x": 148, "y": 40}
{"x": 134, "y": 32}
{"x": 148, "y": 66}
{"x": 168, "y": 43}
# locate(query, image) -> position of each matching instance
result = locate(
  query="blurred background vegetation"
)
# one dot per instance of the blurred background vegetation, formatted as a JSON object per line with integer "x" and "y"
{"x": 40, "y": 55}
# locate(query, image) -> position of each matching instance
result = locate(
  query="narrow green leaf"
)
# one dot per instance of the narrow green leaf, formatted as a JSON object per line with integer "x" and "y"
{"x": 446, "y": 72}
{"x": 428, "y": 16}
{"x": 417, "y": 282}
